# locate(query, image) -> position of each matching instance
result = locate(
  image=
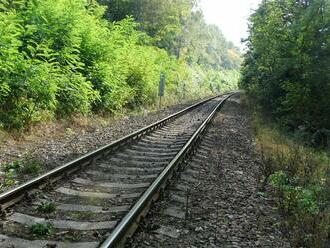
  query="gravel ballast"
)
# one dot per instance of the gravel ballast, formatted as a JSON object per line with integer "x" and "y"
{"x": 55, "y": 145}
{"x": 216, "y": 202}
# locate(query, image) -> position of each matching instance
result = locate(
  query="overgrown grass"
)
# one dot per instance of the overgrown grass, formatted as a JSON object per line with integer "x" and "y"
{"x": 12, "y": 170}
{"x": 298, "y": 177}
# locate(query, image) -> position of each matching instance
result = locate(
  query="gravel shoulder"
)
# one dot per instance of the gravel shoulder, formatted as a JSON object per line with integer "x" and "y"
{"x": 59, "y": 143}
{"x": 216, "y": 202}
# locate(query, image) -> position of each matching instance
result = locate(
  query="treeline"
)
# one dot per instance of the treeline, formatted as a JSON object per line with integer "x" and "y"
{"x": 65, "y": 57}
{"x": 287, "y": 66}
{"x": 177, "y": 28}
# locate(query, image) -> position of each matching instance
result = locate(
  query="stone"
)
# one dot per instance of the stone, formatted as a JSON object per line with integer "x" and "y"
{"x": 175, "y": 212}
{"x": 168, "y": 231}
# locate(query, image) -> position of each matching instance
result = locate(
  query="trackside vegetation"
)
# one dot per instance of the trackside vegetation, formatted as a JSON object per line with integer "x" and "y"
{"x": 286, "y": 76}
{"x": 298, "y": 177}
{"x": 286, "y": 68}
{"x": 66, "y": 57}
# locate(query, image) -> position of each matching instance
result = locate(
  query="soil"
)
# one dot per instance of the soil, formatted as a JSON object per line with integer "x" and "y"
{"x": 224, "y": 206}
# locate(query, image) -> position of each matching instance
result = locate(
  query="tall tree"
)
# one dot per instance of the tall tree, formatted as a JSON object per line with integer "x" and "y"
{"x": 179, "y": 27}
{"x": 287, "y": 65}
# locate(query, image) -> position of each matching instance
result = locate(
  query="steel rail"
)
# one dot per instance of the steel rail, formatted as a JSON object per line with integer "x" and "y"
{"x": 123, "y": 229}
{"x": 14, "y": 195}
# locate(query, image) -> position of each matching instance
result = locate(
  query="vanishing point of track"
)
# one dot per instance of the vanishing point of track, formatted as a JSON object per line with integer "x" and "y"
{"x": 100, "y": 197}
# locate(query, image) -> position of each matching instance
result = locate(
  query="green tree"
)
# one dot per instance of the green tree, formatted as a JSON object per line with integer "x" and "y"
{"x": 60, "y": 58}
{"x": 287, "y": 66}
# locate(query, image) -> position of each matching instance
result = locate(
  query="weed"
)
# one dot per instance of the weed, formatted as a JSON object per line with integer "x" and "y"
{"x": 7, "y": 180}
{"x": 41, "y": 230}
{"x": 26, "y": 166}
{"x": 16, "y": 168}
{"x": 12, "y": 166}
{"x": 299, "y": 178}
{"x": 31, "y": 166}
{"x": 47, "y": 207}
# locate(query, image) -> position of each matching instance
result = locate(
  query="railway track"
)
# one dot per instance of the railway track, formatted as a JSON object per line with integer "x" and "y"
{"x": 98, "y": 200}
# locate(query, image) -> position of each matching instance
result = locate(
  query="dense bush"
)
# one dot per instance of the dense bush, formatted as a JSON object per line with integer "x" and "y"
{"x": 286, "y": 68}
{"x": 59, "y": 58}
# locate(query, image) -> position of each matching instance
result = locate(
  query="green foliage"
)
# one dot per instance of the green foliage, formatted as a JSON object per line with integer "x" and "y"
{"x": 305, "y": 208}
{"x": 300, "y": 181}
{"x": 179, "y": 27}
{"x": 286, "y": 68}
{"x": 75, "y": 95}
{"x": 205, "y": 45}
{"x": 47, "y": 207}
{"x": 296, "y": 198}
{"x": 162, "y": 20}
{"x": 286, "y": 72}
{"x": 7, "y": 180}
{"x": 42, "y": 230}
{"x": 18, "y": 167}
{"x": 31, "y": 166}
{"x": 60, "y": 58}
{"x": 14, "y": 165}
{"x": 10, "y": 172}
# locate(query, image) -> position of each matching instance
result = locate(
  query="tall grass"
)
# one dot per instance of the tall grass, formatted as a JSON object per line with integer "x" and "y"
{"x": 298, "y": 178}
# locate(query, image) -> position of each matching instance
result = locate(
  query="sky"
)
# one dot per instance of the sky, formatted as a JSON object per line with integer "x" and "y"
{"x": 231, "y": 16}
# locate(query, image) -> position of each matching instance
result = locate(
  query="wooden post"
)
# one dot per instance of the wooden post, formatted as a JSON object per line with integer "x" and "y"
{"x": 161, "y": 88}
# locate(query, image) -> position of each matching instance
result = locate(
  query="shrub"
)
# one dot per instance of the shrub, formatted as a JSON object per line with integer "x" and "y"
{"x": 41, "y": 230}
{"x": 31, "y": 166}
{"x": 299, "y": 179}
{"x": 75, "y": 95}
{"x": 47, "y": 207}
{"x": 59, "y": 58}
